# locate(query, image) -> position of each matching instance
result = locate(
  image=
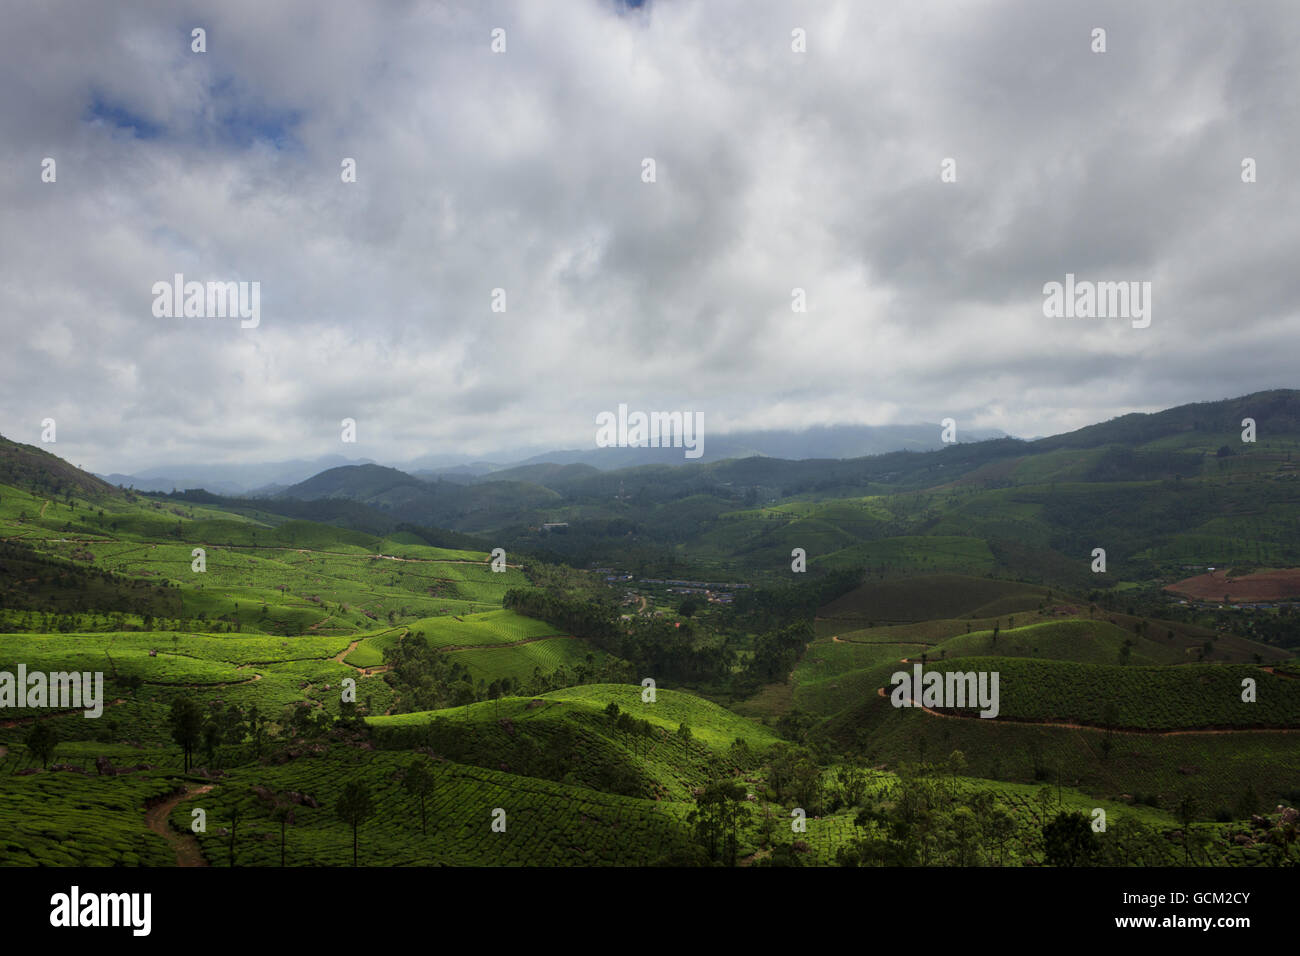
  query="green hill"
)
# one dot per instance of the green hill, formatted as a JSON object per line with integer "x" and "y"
{"x": 932, "y": 596}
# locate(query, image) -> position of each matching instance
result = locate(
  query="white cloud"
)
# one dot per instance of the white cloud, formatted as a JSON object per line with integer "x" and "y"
{"x": 522, "y": 171}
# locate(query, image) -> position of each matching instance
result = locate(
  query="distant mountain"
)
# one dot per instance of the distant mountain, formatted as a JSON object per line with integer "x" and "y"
{"x": 229, "y": 479}
{"x": 461, "y": 473}
{"x": 353, "y": 481}
{"x": 543, "y": 473}
{"x": 448, "y": 504}
{"x": 829, "y": 441}
{"x": 835, "y": 441}
{"x": 1140, "y": 447}
{"x": 831, "y": 459}
{"x": 1275, "y": 412}
{"x": 168, "y": 485}
{"x": 1136, "y": 478}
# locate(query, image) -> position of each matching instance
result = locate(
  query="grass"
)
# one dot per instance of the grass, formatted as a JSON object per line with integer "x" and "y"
{"x": 543, "y": 656}
{"x": 497, "y": 627}
{"x": 76, "y": 819}
{"x": 1199, "y": 696}
{"x": 280, "y": 600}
{"x": 933, "y": 596}
{"x": 546, "y": 823}
{"x": 712, "y": 724}
{"x": 1215, "y": 769}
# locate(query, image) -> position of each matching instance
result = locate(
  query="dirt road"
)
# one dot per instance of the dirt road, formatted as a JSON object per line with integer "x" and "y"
{"x": 184, "y": 845}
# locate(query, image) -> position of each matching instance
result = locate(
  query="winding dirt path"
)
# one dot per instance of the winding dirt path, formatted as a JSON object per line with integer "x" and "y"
{"x": 839, "y": 640}
{"x": 338, "y": 658}
{"x": 183, "y": 845}
{"x": 1277, "y": 673}
{"x": 880, "y": 692}
{"x": 365, "y": 671}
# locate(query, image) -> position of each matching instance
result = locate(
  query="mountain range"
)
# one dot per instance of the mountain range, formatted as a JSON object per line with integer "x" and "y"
{"x": 834, "y": 441}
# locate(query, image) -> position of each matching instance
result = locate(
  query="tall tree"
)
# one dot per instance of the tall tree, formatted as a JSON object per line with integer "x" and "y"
{"x": 720, "y": 809}
{"x": 185, "y": 721}
{"x": 354, "y": 807}
{"x": 41, "y": 741}
{"x": 1068, "y": 840}
{"x": 418, "y": 781}
{"x": 257, "y": 728}
{"x": 283, "y": 815}
{"x": 211, "y": 740}
{"x": 234, "y": 824}
{"x": 1187, "y": 813}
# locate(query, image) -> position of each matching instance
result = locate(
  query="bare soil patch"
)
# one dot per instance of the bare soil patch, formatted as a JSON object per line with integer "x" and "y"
{"x": 1250, "y": 588}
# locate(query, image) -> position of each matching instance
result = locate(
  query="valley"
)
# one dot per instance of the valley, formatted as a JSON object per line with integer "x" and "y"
{"x": 649, "y": 682}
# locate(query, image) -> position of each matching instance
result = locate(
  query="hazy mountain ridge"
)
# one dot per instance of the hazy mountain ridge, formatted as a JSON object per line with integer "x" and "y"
{"x": 836, "y": 441}
{"x": 1130, "y": 448}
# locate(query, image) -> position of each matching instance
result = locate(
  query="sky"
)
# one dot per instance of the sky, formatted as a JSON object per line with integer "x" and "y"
{"x": 523, "y": 169}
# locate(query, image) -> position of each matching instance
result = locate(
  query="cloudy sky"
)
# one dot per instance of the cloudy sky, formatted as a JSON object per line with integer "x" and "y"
{"x": 522, "y": 170}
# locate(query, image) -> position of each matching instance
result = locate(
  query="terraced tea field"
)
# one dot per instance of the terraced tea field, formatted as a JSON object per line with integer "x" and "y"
{"x": 1191, "y": 696}
{"x": 78, "y": 819}
{"x": 486, "y": 629}
{"x": 1101, "y": 707}
{"x": 546, "y": 824}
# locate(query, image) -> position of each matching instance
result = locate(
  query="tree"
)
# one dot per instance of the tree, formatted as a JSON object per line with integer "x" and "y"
{"x": 418, "y": 782}
{"x": 283, "y": 815}
{"x": 211, "y": 740}
{"x": 906, "y": 822}
{"x": 1068, "y": 840}
{"x": 185, "y": 721}
{"x": 41, "y": 741}
{"x": 257, "y": 728}
{"x": 720, "y": 808}
{"x": 132, "y": 682}
{"x": 956, "y": 764}
{"x": 354, "y": 807}
{"x": 851, "y": 784}
{"x": 1109, "y": 717}
{"x": 464, "y": 694}
{"x": 1186, "y": 813}
{"x": 234, "y": 822}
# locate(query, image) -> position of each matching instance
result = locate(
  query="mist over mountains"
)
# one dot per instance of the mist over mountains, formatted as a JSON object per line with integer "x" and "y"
{"x": 827, "y": 442}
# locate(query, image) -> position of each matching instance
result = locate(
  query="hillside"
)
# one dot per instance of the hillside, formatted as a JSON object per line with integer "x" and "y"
{"x": 36, "y": 470}
{"x": 336, "y": 635}
{"x": 1158, "y": 491}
